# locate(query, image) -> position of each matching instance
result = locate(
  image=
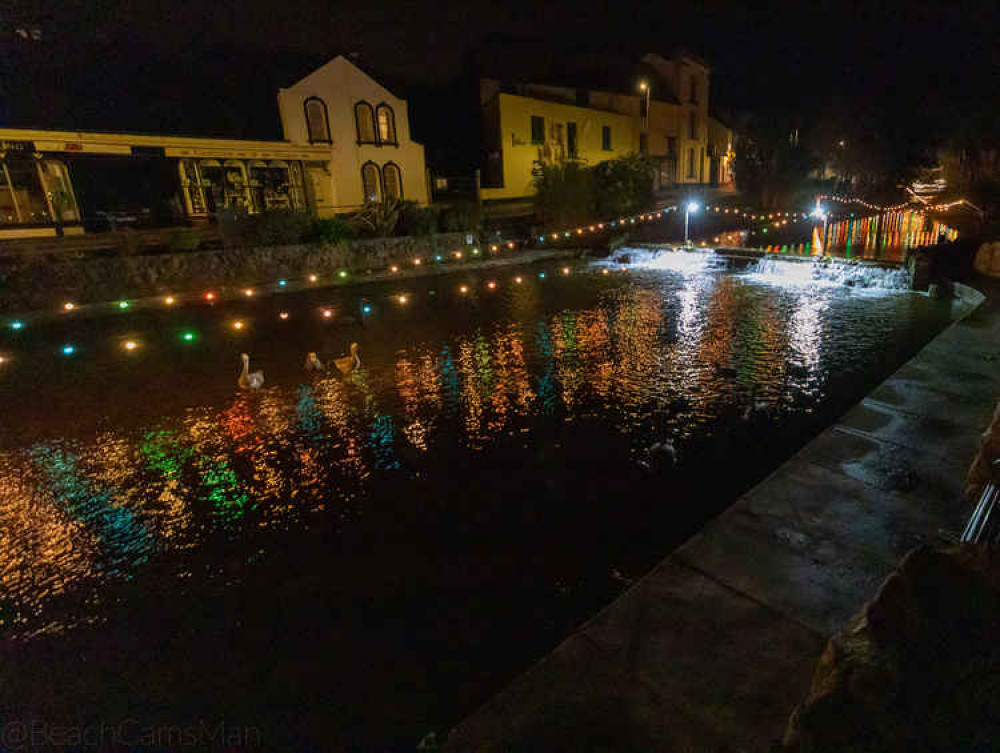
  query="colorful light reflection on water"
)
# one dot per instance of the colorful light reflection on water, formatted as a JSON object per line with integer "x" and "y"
{"x": 477, "y": 414}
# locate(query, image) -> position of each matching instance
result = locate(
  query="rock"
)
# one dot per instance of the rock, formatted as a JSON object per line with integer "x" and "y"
{"x": 987, "y": 260}
{"x": 917, "y": 669}
{"x": 989, "y": 451}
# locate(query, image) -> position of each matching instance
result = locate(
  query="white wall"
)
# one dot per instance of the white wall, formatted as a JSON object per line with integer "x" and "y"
{"x": 340, "y": 84}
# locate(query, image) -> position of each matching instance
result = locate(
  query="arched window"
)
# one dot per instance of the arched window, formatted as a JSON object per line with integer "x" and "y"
{"x": 371, "y": 182}
{"x": 386, "y": 124}
{"x": 364, "y": 120}
{"x": 317, "y": 121}
{"x": 392, "y": 181}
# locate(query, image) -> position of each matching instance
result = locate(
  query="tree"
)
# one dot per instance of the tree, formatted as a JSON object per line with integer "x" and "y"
{"x": 623, "y": 185}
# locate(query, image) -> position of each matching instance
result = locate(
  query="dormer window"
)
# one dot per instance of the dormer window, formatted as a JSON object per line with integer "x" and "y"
{"x": 317, "y": 121}
{"x": 386, "y": 124}
{"x": 364, "y": 121}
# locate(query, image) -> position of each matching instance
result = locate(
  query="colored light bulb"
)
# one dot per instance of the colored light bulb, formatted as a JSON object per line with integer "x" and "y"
{"x": 123, "y": 304}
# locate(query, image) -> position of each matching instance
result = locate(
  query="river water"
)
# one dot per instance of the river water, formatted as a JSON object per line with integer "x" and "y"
{"x": 357, "y": 561}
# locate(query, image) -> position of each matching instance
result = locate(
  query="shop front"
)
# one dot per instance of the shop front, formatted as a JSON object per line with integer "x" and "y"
{"x": 55, "y": 182}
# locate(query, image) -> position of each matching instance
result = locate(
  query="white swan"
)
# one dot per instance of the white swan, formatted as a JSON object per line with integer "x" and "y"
{"x": 246, "y": 380}
{"x": 350, "y": 362}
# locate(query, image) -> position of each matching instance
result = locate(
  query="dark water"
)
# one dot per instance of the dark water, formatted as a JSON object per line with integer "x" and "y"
{"x": 358, "y": 561}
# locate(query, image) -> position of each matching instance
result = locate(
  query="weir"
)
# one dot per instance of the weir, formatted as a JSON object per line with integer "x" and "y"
{"x": 783, "y": 269}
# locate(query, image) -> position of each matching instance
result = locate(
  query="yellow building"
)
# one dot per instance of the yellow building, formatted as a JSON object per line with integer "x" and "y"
{"x": 347, "y": 140}
{"x": 658, "y": 108}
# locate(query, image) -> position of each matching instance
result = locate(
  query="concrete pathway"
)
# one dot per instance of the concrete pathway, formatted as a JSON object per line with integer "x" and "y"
{"x": 713, "y": 648}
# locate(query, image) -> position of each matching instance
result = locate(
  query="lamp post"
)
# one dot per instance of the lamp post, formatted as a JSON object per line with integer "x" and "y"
{"x": 688, "y": 210}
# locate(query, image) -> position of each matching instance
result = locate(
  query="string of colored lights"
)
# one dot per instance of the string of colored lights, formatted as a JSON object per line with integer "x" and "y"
{"x": 771, "y": 219}
{"x": 326, "y": 313}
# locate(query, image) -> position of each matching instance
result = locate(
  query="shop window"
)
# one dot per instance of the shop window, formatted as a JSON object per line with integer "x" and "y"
{"x": 370, "y": 182}
{"x": 191, "y": 185}
{"x": 392, "y": 180}
{"x": 364, "y": 121}
{"x": 60, "y": 191}
{"x": 317, "y": 121}
{"x": 22, "y": 200}
{"x": 386, "y": 124}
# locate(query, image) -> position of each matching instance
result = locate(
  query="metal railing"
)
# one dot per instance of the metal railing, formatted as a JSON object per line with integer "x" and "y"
{"x": 984, "y": 525}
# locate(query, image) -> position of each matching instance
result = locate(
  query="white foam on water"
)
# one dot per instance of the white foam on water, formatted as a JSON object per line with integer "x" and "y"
{"x": 833, "y": 272}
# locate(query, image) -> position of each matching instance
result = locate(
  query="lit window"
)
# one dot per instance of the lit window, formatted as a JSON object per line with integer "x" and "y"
{"x": 386, "y": 124}
{"x": 392, "y": 180}
{"x": 364, "y": 119}
{"x": 317, "y": 122}
{"x": 370, "y": 182}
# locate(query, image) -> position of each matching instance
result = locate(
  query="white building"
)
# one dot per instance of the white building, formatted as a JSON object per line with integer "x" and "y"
{"x": 367, "y": 130}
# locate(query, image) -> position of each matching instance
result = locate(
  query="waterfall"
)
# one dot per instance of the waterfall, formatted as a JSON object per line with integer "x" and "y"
{"x": 669, "y": 259}
{"x": 831, "y": 272}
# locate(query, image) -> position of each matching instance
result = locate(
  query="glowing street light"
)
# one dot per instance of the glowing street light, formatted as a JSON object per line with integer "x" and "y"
{"x": 690, "y": 209}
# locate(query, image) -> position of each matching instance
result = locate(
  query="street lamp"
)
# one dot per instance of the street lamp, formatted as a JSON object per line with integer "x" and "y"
{"x": 688, "y": 210}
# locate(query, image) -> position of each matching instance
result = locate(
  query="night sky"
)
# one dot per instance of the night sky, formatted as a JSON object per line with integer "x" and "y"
{"x": 917, "y": 65}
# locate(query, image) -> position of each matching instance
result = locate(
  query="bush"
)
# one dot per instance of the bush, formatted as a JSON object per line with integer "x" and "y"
{"x": 565, "y": 194}
{"x": 331, "y": 230}
{"x": 416, "y": 220}
{"x": 277, "y": 227}
{"x": 379, "y": 218}
{"x": 183, "y": 239}
{"x": 461, "y": 217}
{"x": 623, "y": 185}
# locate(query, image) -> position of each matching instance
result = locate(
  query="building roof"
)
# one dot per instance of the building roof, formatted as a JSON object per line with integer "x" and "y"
{"x": 618, "y": 71}
{"x": 217, "y": 91}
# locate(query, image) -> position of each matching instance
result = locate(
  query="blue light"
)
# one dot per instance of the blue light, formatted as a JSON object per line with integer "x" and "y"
{"x": 16, "y": 325}
{"x": 68, "y": 350}
{"x": 613, "y": 223}
{"x": 282, "y": 283}
{"x": 542, "y": 275}
{"x": 437, "y": 258}
{"x": 366, "y": 309}
{"x": 541, "y": 239}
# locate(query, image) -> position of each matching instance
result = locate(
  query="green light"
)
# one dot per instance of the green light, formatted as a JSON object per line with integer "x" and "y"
{"x": 188, "y": 337}
{"x": 342, "y": 273}
{"x": 475, "y": 251}
{"x": 437, "y": 258}
{"x": 282, "y": 283}
{"x": 123, "y": 304}
{"x": 68, "y": 350}
{"x": 16, "y": 325}
{"x": 765, "y": 230}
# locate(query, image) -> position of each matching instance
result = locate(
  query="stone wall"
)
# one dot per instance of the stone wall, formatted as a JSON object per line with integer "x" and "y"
{"x": 43, "y": 282}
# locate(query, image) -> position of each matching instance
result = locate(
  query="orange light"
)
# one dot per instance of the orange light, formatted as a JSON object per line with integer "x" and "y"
{"x": 327, "y": 314}
{"x": 169, "y": 300}
{"x": 394, "y": 269}
{"x": 518, "y": 280}
{"x": 403, "y": 299}
{"x": 491, "y": 285}
{"x": 464, "y": 289}
{"x": 248, "y": 292}
{"x": 130, "y": 345}
{"x": 312, "y": 278}
{"x": 458, "y": 254}
{"x": 605, "y": 271}
{"x": 68, "y": 306}
{"x": 416, "y": 262}
{"x": 510, "y": 244}
{"x": 209, "y": 296}
{"x": 238, "y": 324}
{"x": 283, "y": 315}
{"x": 494, "y": 248}
{"x": 565, "y": 270}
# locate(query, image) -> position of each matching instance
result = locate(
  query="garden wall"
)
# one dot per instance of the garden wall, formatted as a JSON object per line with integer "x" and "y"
{"x": 45, "y": 281}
